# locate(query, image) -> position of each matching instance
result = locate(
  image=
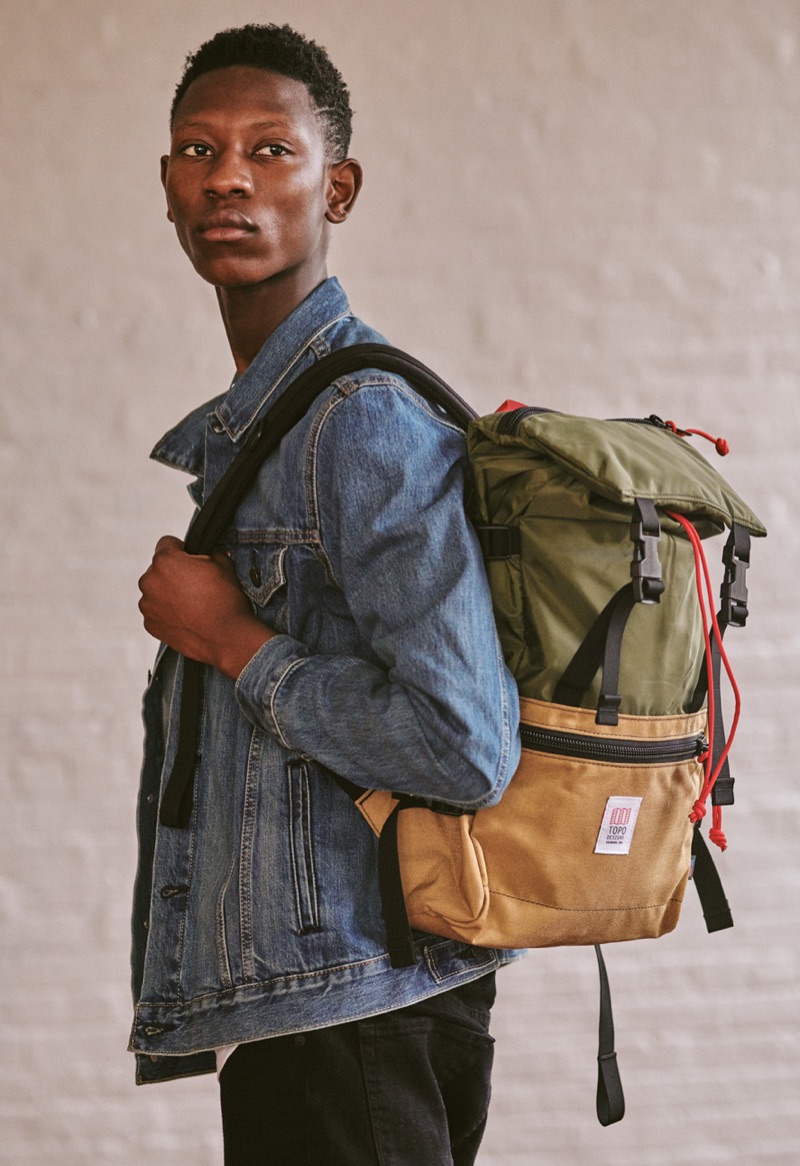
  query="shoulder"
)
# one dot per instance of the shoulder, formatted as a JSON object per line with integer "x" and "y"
{"x": 373, "y": 416}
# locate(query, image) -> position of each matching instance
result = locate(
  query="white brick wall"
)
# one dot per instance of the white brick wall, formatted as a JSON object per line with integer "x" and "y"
{"x": 589, "y": 203}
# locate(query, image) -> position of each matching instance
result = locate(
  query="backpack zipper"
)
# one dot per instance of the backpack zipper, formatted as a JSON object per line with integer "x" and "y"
{"x": 510, "y": 421}
{"x": 626, "y": 752}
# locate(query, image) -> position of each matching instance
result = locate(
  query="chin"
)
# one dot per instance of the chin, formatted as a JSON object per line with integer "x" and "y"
{"x": 224, "y": 274}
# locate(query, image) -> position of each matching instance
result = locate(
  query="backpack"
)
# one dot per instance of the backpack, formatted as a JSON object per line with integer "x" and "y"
{"x": 591, "y": 531}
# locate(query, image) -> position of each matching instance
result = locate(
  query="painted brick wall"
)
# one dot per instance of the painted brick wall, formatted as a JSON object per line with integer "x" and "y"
{"x": 592, "y": 204}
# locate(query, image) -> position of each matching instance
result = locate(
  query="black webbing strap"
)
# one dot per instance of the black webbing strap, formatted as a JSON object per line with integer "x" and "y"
{"x": 610, "y": 1098}
{"x": 603, "y": 641}
{"x": 716, "y": 911}
{"x": 176, "y": 801}
{"x": 400, "y": 943}
{"x": 722, "y": 790}
{"x": 399, "y": 940}
{"x": 601, "y": 645}
{"x": 217, "y": 512}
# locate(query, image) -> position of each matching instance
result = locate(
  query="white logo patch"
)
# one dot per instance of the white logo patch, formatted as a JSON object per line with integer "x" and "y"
{"x": 616, "y": 829}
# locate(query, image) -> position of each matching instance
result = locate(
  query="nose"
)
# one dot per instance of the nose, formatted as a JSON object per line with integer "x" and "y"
{"x": 229, "y": 176}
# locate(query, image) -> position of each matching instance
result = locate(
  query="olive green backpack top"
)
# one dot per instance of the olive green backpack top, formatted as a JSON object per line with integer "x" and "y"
{"x": 592, "y": 533}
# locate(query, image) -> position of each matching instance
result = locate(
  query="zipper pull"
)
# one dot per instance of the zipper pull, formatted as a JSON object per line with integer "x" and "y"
{"x": 719, "y": 443}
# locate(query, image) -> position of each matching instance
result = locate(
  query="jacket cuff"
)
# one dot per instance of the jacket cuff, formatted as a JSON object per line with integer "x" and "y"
{"x": 259, "y": 681}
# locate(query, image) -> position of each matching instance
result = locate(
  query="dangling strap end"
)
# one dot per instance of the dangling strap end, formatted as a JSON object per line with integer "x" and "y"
{"x": 610, "y": 1100}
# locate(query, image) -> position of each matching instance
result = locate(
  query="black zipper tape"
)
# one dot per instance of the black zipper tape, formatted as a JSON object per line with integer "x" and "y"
{"x": 627, "y": 752}
{"x": 509, "y": 423}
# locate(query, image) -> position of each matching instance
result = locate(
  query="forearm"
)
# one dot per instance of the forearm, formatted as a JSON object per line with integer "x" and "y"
{"x": 354, "y": 718}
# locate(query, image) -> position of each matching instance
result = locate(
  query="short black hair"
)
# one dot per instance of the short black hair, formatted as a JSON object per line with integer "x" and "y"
{"x": 280, "y": 49}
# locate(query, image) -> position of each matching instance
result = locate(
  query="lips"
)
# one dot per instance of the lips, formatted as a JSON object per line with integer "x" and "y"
{"x": 225, "y": 226}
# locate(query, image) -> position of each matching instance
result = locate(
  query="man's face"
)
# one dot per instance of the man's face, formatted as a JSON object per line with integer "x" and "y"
{"x": 247, "y": 180}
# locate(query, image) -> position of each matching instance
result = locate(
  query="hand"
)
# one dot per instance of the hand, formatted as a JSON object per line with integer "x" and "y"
{"x": 194, "y": 603}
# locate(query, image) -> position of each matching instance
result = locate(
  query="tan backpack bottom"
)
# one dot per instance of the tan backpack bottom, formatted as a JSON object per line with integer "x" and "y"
{"x": 578, "y": 850}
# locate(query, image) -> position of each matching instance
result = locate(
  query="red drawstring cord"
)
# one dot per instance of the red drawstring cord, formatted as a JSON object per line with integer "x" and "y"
{"x": 702, "y": 574}
{"x": 719, "y": 443}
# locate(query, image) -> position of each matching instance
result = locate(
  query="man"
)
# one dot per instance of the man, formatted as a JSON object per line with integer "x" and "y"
{"x": 345, "y": 624}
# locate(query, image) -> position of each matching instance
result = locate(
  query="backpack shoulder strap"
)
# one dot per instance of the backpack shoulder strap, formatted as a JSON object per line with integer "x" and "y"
{"x": 217, "y": 512}
{"x": 218, "y": 509}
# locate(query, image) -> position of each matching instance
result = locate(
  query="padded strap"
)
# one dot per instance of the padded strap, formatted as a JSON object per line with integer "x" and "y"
{"x": 216, "y": 514}
{"x": 610, "y": 1098}
{"x": 716, "y": 910}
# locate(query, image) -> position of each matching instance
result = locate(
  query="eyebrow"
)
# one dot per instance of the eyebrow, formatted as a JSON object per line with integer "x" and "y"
{"x": 199, "y": 123}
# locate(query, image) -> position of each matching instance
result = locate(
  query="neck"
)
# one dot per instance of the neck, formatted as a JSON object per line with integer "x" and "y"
{"x": 252, "y": 313}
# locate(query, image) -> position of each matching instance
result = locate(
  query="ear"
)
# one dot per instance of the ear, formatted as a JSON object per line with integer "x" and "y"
{"x": 164, "y": 165}
{"x": 344, "y": 183}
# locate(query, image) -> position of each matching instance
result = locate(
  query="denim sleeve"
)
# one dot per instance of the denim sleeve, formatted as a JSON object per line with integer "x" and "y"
{"x": 434, "y": 712}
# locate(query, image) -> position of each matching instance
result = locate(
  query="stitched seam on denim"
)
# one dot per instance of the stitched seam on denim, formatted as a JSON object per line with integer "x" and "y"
{"x": 308, "y": 835}
{"x": 254, "y": 984}
{"x": 246, "y": 855}
{"x": 505, "y": 749}
{"x": 277, "y": 579}
{"x": 430, "y": 959}
{"x": 192, "y": 836}
{"x": 222, "y": 937}
{"x": 294, "y": 664}
{"x": 249, "y": 537}
{"x": 292, "y": 855}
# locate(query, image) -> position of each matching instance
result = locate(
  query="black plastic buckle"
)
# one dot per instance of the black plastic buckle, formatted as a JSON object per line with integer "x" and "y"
{"x": 648, "y": 582}
{"x": 498, "y": 541}
{"x": 733, "y": 592}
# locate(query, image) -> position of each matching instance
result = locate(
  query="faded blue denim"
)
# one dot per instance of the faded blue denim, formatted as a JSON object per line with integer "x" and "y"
{"x": 263, "y": 917}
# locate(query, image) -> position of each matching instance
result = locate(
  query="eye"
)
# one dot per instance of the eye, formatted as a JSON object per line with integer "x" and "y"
{"x": 272, "y": 150}
{"x": 195, "y": 150}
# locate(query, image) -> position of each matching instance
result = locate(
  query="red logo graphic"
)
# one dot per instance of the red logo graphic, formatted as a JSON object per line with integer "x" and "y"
{"x": 620, "y": 816}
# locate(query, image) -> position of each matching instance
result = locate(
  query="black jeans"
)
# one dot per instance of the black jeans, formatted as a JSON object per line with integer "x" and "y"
{"x": 408, "y": 1088}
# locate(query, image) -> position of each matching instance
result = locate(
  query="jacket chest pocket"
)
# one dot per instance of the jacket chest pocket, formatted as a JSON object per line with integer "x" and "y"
{"x": 261, "y": 570}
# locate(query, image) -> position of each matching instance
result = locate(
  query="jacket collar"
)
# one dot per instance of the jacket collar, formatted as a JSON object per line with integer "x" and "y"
{"x": 278, "y": 362}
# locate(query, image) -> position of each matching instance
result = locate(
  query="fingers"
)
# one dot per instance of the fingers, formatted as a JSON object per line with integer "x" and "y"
{"x": 168, "y": 542}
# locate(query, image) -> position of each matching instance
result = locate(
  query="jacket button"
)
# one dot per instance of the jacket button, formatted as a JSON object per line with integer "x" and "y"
{"x": 145, "y": 923}
{"x": 255, "y": 576}
{"x": 153, "y": 1058}
{"x": 216, "y": 425}
{"x": 150, "y": 799}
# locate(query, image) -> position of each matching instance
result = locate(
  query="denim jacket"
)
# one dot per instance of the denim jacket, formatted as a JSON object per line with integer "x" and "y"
{"x": 263, "y": 917}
